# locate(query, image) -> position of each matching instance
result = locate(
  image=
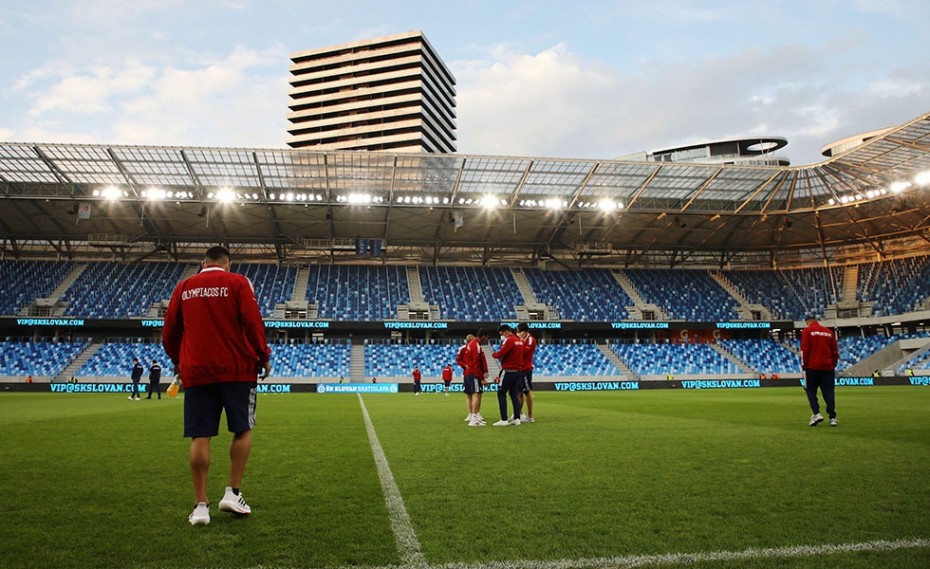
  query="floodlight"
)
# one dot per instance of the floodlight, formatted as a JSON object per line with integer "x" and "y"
{"x": 898, "y": 187}
{"x": 156, "y": 194}
{"x": 111, "y": 193}
{"x": 607, "y": 205}
{"x": 923, "y": 178}
{"x": 359, "y": 198}
{"x": 489, "y": 201}
{"x": 554, "y": 203}
{"x": 225, "y": 195}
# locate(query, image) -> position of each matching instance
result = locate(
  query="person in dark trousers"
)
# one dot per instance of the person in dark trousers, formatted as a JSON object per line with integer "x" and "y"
{"x": 417, "y": 376}
{"x": 526, "y": 384}
{"x": 215, "y": 338}
{"x": 136, "y": 377}
{"x": 154, "y": 378}
{"x": 819, "y": 355}
{"x": 510, "y": 355}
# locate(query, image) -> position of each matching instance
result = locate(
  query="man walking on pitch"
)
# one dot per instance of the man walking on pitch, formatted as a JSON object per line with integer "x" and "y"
{"x": 215, "y": 337}
{"x": 819, "y": 355}
{"x": 417, "y": 376}
{"x": 154, "y": 379}
{"x": 510, "y": 355}
{"x": 526, "y": 382}
{"x": 476, "y": 376}
{"x": 136, "y": 377}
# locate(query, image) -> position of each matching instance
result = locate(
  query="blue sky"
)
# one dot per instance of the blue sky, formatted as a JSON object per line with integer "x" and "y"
{"x": 576, "y": 79}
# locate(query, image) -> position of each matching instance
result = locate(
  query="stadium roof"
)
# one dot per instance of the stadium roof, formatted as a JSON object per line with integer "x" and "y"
{"x": 431, "y": 208}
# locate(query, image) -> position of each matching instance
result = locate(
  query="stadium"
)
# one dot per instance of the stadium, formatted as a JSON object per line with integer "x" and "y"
{"x": 657, "y": 277}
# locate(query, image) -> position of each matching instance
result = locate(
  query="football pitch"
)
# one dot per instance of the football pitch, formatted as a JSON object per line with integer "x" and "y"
{"x": 653, "y": 478}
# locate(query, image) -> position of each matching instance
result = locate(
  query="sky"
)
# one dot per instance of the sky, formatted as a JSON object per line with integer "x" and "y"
{"x": 572, "y": 79}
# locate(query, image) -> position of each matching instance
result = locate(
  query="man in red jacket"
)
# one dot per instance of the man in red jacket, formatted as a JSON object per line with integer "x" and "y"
{"x": 417, "y": 376}
{"x": 476, "y": 377}
{"x": 510, "y": 355}
{"x": 819, "y": 354}
{"x": 215, "y": 337}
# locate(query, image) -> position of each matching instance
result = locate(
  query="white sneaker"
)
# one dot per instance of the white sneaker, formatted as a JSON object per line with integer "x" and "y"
{"x": 515, "y": 422}
{"x": 816, "y": 420}
{"x": 527, "y": 420}
{"x": 200, "y": 516}
{"x": 234, "y": 503}
{"x": 480, "y": 418}
{"x": 129, "y": 398}
{"x": 502, "y": 423}
{"x": 524, "y": 418}
{"x": 476, "y": 423}
{"x": 833, "y": 422}
{"x": 469, "y": 418}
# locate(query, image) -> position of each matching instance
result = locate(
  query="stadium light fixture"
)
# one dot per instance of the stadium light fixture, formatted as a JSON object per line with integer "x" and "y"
{"x": 607, "y": 205}
{"x": 225, "y": 195}
{"x": 111, "y": 193}
{"x": 489, "y": 201}
{"x": 923, "y": 178}
{"x": 555, "y": 204}
{"x": 358, "y": 199}
{"x": 155, "y": 194}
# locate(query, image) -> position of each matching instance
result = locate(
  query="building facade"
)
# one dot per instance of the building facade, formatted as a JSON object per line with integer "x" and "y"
{"x": 391, "y": 93}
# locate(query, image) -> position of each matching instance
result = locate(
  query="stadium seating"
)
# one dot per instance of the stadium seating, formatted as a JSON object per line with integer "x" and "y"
{"x": 689, "y": 295}
{"x": 120, "y": 290}
{"x": 114, "y": 360}
{"x": 273, "y": 284}
{"x": 571, "y": 359}
{"x": 470, "y": 293}
{"x": 311, "y": 360}
{"x": 25, "y": 281}
{"x": 675, "y": 359}
{"x": 384, "y": 359}
{"x": 41, "y": 358}
{"x": 357, "y": 293}
{"x": 789, "y": 294}
{"x": 763, "y": 355}
{"x": 588, "y": 295}
{"x": 895, "y": 287}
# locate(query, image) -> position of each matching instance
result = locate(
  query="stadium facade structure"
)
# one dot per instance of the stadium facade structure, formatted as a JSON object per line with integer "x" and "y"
{"x": 391, "y": 93}
{"x": 758, "y": 151}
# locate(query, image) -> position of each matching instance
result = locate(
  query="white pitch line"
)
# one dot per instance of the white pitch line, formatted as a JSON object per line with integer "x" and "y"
{"x": 408, "y": 546}
{"x": 692, "y": 558}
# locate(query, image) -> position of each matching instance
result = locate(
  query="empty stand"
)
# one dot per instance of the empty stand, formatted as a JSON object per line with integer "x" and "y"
{"x": 689, "y": 295}
{"x": 588, "y": 295}
{"x": 357, "y": 293}
{"x": 119, "y": 290}
{"x": 25, "y": 281}
{"x": 471, "y": 293}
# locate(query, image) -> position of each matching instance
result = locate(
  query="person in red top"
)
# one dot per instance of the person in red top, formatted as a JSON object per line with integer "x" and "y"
{"x": 447, "y": 377}
{"x": 476, "y": 376}
{"x": 526, "y": 385}
{"x": 215, "y": 337}
{"x": 510, "y": 355}
{"x": 417, "y": 376}
{"x": 819, "y": 355}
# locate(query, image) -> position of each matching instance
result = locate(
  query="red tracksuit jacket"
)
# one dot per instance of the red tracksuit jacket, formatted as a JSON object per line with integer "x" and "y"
{"x": 213, "y": 329}
{"x": 510, "y": 354}
{"x": 818, "y": 348}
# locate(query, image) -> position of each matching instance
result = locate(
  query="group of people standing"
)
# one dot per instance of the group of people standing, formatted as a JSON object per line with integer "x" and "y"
{"x": 515, "y": 378}
{"x": 136, "y": 376}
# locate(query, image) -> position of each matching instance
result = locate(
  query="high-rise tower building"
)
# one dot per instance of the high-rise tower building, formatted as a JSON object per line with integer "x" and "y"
{"x": 390, "y": 93}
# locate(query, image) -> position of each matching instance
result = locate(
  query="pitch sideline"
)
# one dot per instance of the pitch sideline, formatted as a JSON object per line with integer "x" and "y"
{"x": 411, "y": 554}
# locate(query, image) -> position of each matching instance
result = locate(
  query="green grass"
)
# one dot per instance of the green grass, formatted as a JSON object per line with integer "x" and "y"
{"x": 94, "y": 480}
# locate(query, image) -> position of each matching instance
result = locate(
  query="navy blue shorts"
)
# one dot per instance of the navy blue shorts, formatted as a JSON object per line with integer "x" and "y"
{"x": 203, "y": 405}
{"x": 526, "y": 382}
{"x": 473, "y": 384}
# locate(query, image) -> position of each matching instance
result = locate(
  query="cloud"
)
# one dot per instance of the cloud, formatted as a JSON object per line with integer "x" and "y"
{"x": 557, "y": 103}
{"x": 238, "y": 100}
